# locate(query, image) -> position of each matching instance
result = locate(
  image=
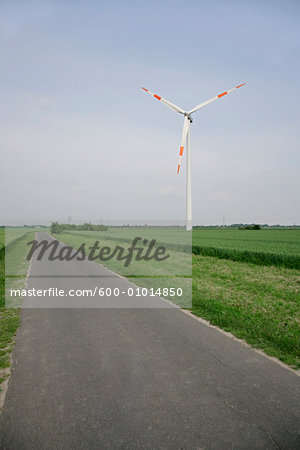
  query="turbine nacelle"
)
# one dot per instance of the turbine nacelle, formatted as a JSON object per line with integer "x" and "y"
{"x": 186, "y": 114}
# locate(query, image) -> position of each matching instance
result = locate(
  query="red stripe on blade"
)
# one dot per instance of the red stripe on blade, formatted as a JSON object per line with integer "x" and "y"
{"x": 157, "y": 96}
{"x": 178, "y": 169}
{"x": 221, "y": 95}
{"x": 240, "y": 85}
{"x": 145, "y": 89}
{"x": 181, "y": 150}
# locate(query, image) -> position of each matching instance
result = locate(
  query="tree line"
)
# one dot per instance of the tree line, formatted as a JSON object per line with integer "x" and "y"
{"x": 57, "y": 227}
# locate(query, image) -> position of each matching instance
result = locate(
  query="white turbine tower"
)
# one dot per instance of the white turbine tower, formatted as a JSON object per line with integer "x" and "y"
{"x": 186, "y": 138}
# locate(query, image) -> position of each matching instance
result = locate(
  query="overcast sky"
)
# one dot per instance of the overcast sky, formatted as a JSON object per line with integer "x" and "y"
{"x": 80, "y": 138}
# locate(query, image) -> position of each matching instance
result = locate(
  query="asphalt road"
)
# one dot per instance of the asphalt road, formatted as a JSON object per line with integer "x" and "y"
{"x": 134, "y": 378}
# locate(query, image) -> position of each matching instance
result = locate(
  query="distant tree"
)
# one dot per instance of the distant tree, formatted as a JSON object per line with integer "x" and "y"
{"x": 84, "y": 227}
{"x": 250, "y": 227}
{"x": 55, "y": 228}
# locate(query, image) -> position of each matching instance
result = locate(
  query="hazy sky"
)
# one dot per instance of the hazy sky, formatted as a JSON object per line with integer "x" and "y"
{"x": 80, "y": 138}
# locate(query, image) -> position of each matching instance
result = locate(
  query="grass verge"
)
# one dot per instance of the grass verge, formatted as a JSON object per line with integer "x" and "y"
{"x": 9, "y": 319}
{"x": 255, "y": 303}
{"x": 9, "y": 323}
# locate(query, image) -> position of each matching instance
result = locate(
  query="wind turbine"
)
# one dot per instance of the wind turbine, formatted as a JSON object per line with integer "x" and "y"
{"x": 186, "y": 139}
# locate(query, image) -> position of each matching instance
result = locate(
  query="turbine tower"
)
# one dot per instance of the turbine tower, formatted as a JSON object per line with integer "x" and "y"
{"x": 186, "y": 139}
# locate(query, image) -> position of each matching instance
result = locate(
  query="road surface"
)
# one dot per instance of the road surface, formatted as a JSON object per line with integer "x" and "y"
{"x": 135, "y": 378}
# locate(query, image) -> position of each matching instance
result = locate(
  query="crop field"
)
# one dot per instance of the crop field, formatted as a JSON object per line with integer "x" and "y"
{"x": 278, "y": 241}
{"x": 166, "y": 235}
{"x": 285, "y": 241}
{"x": 278, "y": 247}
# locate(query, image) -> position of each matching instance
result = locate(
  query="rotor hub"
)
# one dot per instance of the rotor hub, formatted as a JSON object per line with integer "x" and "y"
{"x": 188, "y": 116}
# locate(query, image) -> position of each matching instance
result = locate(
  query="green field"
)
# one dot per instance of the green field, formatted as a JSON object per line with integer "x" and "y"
{"x": 278, "y": 247}
{"x": 283, "y": 241}
{"x": 275, "y": 241}
{"x": 170, "y": 235}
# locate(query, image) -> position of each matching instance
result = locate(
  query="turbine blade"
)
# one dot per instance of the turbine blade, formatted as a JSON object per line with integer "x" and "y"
{"x": 166, "y": 102}
{"x": 213, "y": 99}
{"x": 186, "y": 125}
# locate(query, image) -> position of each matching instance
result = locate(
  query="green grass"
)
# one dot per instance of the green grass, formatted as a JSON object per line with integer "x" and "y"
{"x": 2, "y": 269}
{"x": 2, "y": 237}
{"x": 258, "y": 304}
{"x": 9, "y": 323}
{"x": 264, "y": 247}
{"x": 9, "y": 317}
{"x": 284, "y": 241}
{"x": 16, "y": 250}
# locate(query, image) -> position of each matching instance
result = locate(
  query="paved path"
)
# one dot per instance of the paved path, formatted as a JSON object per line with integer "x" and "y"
{"x": 134, "y": 378}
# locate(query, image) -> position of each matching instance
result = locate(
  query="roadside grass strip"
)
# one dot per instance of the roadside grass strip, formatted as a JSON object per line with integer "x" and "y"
{"x": 9, "y": 322}
{"x": 16, "y": 243}
{"x": 255, "y": 303}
